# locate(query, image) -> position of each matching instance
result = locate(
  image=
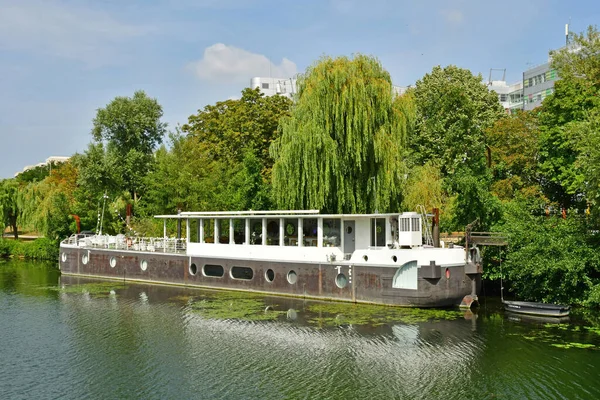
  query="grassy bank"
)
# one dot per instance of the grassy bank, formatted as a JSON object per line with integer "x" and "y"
{"x": 38, "y": 249}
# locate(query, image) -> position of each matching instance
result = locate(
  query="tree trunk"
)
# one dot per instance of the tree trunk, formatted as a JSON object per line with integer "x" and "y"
{"x": 13, "y": 224}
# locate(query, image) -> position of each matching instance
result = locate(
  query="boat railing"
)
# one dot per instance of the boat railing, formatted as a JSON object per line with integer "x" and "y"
{"x": 121, "y": 242}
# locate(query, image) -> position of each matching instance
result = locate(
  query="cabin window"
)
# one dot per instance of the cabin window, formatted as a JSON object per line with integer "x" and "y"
{"x": 239, "y": 231}
{"x": 377, "y": 232}
{"x": 406, "y": 276}
{"x": 244, "y": 273}
{"x": 404, "y": 225}
{"x": 331, "y": 232}
{"x": 209, "y": 230}
{"x": 143, "y": 265}
{"x": 309, "y": 230}
{"x": 256, "y": 231}
{"x": 273, "y": 232}
{"x": 194, "y": 231}
{"x": 84, "y": 259}
{"x": 113, "y": 262}
{"x": 290, "y": 232}
{"x": 224, "y": 231}
{"x": 415, "y": 225}
{"x": 216, "y": 271}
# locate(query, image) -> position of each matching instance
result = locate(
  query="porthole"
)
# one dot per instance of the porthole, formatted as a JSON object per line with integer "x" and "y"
{"x": 84, "y": 259}
{"x": 349, "y": 230}
{"x": 144, "y": 265}
{"x": 216, "y": 271}
{"x": 113, "y": 262}
{"x": 244, "y": 273}
{"x": 341, "y": 281}
{"x": 269, "y": 275}
{"x": 394, "y": 258}
{"x": 193, "y": 269}
{"x": 292, "y": 277}
{"x": 366, "y": 257}
{"x": 64, "y": 257}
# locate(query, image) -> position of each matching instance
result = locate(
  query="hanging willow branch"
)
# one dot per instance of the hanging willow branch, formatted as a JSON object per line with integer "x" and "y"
{"x": 341, "y": 149}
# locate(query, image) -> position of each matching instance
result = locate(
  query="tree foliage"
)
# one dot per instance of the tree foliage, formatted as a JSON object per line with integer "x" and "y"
{"x": 131, "y": 129}
{"x": 514, "y": 148}
{"x": 574, "y": 101}
{"x": 231, "y": 128}
{"x": 11, "y": 205}
{"x": 454, "y": 108}
{"x": 342, "y": 148}
{"x": 549, "y": 259}
{"x": 48, "y": 205}
{"x": 424, "y": 187}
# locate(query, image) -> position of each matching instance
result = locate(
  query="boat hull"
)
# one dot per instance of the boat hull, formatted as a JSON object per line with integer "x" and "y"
{"x": 364, "y": 283}
{"x": 536, "y": 309}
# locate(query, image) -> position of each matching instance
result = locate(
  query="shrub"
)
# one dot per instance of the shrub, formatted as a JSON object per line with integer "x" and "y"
{"x": 39, "y": 249}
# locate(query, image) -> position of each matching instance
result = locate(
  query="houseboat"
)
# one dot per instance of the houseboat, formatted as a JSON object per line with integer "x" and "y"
{"x": 362, "y": 258}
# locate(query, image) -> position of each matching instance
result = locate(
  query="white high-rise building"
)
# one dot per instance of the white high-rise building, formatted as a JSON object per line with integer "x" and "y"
{"x": 287, "y": 86}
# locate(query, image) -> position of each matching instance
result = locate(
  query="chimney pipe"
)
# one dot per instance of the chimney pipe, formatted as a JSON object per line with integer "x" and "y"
{"x": 436, "y": 227}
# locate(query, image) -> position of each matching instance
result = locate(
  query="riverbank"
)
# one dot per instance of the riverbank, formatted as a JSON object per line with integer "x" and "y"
{"x": 37, "y": 249}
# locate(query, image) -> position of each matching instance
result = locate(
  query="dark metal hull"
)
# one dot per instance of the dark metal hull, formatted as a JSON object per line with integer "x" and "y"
{"x": 536, "y": 309}
{"x": 366, "y": 284}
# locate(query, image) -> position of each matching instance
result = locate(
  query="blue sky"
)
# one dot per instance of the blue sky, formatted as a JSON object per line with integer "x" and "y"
{"x": 60, "y": 60}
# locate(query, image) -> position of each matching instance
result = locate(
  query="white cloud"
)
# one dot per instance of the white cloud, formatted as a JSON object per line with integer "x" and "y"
{"x": 232, "y": 64}
{"x": 454, "y": 17}
{"x": 59, "y": 29}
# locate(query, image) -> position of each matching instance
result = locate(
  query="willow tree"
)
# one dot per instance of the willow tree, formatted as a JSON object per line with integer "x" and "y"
{"x": 341, "y": 149}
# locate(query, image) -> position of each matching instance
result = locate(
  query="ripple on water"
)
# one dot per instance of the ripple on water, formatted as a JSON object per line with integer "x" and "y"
{"x": 143, "y": 341}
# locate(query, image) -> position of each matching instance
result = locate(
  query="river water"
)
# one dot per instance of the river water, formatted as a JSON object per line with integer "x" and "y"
{"x": 70, "y": 338}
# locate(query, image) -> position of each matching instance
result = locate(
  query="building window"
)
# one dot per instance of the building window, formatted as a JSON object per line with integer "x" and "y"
{"x": 502, "y": 97}
{"x": 265, "y": 85}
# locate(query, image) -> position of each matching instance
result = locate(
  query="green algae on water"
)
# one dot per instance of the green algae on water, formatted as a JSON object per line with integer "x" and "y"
{"x": 235, "y": 306}
{"x": 337, "y": 314}
{"x": 96, "y": 289}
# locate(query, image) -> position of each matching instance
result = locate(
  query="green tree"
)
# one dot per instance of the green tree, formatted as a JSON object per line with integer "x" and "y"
{"x": 11, "y": 205}
{"x": 185, "y": 177}
{"x": 513, "y": 144}
{"x": 232, "y": 127}
{"x": 575, "y": 100}
{"x": 424, "y": 187}
{"x": 48, "y": 204}
{"x": 550, "y": 259}
{"x": 342, "y": 148}
{"x": 454, "y": 108}
{"x": 131, "y": 129}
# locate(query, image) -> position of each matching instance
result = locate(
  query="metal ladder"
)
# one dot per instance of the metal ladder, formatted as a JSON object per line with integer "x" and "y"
{"x": 425, "y": 223}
